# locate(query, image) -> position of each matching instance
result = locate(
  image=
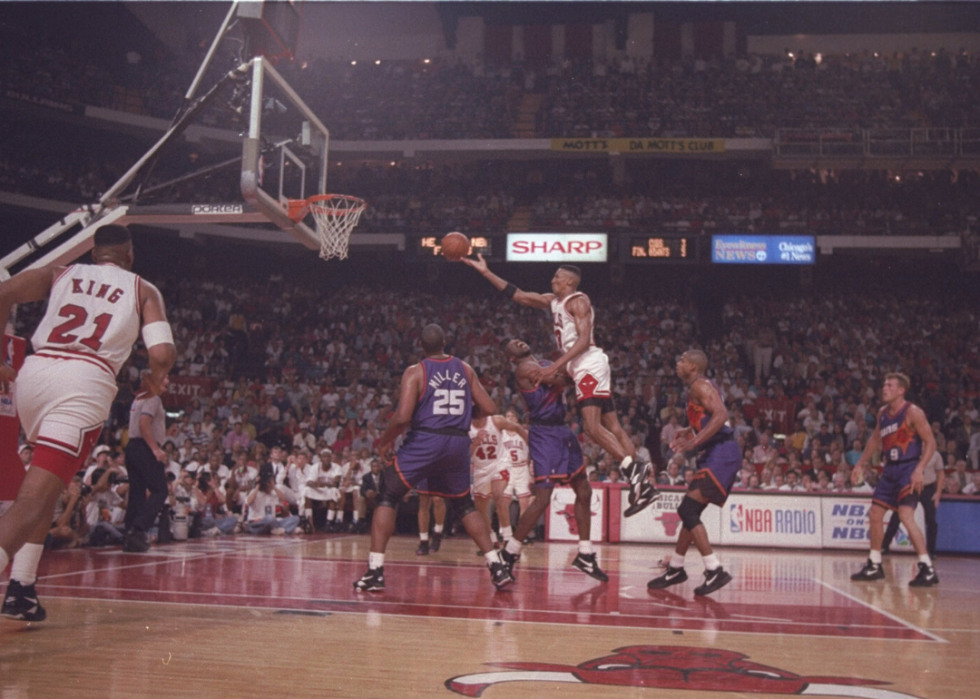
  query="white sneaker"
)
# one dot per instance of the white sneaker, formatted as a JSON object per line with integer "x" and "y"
{"x": 278, "y": 531}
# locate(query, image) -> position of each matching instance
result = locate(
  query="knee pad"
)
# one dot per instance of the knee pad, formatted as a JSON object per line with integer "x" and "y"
{"x": 462, "y": 506}
{"x": 392, "y": 488}
{"x": 690, "y": 512}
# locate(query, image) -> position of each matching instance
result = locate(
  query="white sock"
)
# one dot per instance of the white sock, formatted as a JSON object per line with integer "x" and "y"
{"x": 676, "y": 560}
{"x": 711, "y": 562}
{"x": 924, "y": 558}
{"x": 492, "y": 557}
{"x": 376, "y": 560}
{"x": 24, "y": 569}
{"x": 506, "y": 533}
{"x": 513, "y": 546}
{"x": 4, "y": 560}
{"x": 875, "y": 556}
{"x": 308, "y": 514}
{"x": 356, "y": 516}
{"x": 423, "y": 536}
{"x": 585, "y": 546}
{"x": 331, "y": 515}
{"x": 437, "y": 529}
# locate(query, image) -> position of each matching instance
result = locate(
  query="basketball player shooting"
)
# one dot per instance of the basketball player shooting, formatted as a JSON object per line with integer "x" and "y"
{"x": 588, "y": 366}
{"x": 65, "y": 390}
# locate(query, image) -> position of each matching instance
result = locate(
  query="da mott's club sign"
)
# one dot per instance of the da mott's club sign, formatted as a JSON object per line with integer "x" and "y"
{"x": 671, "y": 146}
{"x": 557, "y": 247}
{"x": 676, "y": 668}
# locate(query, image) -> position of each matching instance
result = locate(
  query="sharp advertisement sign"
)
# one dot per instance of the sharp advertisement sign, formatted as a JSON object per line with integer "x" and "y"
{"x": 557, "y": 247}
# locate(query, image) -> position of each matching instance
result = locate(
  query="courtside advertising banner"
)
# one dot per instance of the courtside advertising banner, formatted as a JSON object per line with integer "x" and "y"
{"x": 561, "y": 522}
{"x": 846, "y": 524}
{"x": 760, "y": 520}
{"x": 660, "y": 523}
{"x": 764, "y": 249}
{"x": 557, "y": 247}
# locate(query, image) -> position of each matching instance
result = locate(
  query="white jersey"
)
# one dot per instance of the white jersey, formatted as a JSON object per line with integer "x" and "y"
{"x": 565, "y": 332}
{"x": 489, "y": 447}
{"x": 93, "y": 314}
{"x": 515, "y": 451}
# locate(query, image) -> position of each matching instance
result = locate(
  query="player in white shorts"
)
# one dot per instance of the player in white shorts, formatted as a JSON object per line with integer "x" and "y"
{"x": 489, "y": 464}
{"x": 65, "y": 390}
{"x": 574, "y": 319}
{"x": 518, "y": 464}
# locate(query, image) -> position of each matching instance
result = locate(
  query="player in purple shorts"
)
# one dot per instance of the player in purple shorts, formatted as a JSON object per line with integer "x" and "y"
{"x": 719, "y": 461}
{"x": 907, "y": 444}
{"x": 436, "y": 404}
{"x": 557, "y": 458}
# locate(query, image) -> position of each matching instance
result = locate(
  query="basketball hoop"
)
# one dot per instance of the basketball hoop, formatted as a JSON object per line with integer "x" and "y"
{"x": 335, "y": 216}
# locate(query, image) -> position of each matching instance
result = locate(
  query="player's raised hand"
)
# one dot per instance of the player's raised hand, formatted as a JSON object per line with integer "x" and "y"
{"x": 479, "y": 264}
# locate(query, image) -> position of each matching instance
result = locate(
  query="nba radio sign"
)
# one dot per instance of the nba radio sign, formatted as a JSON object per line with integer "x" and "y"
{"x": 772, "y": 521}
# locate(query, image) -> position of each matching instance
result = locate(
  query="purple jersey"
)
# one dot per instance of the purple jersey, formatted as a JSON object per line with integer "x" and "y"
{"x": 899, "y": 440}
{"x": 545, "y": 404}
{"x": 446, "y": 403}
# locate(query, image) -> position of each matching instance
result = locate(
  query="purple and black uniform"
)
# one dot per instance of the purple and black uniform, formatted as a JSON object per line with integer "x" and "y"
{"x": 901, "y": 449}
{"x": 719, "y": 460}
{"x": 552, "y": 445}
{"x": 437, "y": 448}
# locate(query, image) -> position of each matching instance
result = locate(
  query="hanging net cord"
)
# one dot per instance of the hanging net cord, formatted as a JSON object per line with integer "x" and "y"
{"x": 335, "y": 216}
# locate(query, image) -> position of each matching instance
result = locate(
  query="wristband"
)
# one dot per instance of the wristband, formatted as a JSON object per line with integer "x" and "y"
{"x": 158, "y": 333}
{"x": 509, "y": 290}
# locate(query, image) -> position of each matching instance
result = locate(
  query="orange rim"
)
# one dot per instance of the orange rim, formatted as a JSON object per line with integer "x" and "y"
{"x": 298, "y": 208}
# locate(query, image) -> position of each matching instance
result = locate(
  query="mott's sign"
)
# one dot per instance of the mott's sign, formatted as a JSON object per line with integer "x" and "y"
{"x": 673, "y": 146}
{"x": 557, "y": 247}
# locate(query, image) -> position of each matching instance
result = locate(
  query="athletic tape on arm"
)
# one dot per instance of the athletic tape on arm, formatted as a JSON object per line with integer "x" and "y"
{"x": 158, "y": 333}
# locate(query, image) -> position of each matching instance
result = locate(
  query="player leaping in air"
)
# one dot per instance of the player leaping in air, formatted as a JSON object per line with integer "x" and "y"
{"x": 588, "y": 366}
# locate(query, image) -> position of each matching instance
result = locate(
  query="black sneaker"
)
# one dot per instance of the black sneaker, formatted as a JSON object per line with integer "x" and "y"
{"x": 871, "y": 571}
{"x": 21, "y": 603}
{"x": 672, "y": 576}
{"x": 372, "y": 581}
{"x": 435, "y": 542}
{"x": 587, "y": 563}
{"x": 926, "y": 577}
{"x": 509, "y": 559}
{"x": 423, "y": 549}
{"x": 646, "y": 496}
{"x": 136, "y": 542}
{"x": 500, "y": 575}
{"x": 713, "y": 580}
{"x": 306, "y": 525}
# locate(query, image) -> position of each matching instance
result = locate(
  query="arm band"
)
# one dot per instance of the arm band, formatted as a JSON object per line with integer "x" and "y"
{"x": 158, "y": 333}
{"x": 509, "y": 291}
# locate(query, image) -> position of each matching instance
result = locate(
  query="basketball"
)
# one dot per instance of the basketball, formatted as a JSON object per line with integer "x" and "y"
{"x": 455, "y": 246}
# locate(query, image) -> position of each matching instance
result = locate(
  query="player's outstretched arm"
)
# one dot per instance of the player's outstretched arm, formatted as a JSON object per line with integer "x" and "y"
{"x": 480, "y": 396}
{"x": 157, "y": 336}
{"x": 526, "y": 298}
{"x": 503, "y": 423}
{"x": 29, "y": 285}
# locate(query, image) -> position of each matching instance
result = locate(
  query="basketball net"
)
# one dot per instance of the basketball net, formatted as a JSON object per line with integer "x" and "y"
{"x": 335, "y": 216}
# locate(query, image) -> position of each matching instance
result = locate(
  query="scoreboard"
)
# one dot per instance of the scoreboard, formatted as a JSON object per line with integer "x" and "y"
{"x": 661, "y": 248}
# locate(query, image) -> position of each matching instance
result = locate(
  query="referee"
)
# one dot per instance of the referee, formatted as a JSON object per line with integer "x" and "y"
{"x": 146, "y": 464}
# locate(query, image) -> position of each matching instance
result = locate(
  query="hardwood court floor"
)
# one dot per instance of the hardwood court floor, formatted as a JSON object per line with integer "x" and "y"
{"x": 259, "y": 617}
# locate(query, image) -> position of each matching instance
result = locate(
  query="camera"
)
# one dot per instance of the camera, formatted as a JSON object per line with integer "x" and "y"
{"x": 86, "y": 490}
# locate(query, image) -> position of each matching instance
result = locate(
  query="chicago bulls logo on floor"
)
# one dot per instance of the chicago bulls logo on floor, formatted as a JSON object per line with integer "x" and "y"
{"x": 677, "y": 667}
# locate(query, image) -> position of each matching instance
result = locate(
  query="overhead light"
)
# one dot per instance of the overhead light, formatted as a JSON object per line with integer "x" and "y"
{"x": 353, "y": 63}
{"x": 426, "y": 60}
{"x": 377, "y": 63}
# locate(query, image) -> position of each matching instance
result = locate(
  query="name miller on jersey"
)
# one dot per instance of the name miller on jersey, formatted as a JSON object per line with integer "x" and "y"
{"x": 76, "y": 288}
{"x": 440, "y": 377}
